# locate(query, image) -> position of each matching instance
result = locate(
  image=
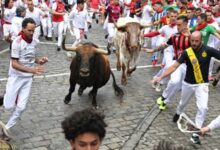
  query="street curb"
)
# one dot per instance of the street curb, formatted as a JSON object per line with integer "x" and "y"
{"x": 141, "y": 129}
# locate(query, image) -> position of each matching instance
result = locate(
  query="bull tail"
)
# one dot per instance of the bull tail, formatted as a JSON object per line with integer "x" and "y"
{"x": 118, "y": 91}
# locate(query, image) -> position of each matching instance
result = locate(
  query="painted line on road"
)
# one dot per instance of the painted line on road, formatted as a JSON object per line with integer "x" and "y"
{"x": 4, "y": 50}
{"x": 68, "y": 73}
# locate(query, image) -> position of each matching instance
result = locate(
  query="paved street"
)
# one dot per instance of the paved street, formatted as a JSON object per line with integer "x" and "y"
{"x": 133, "y": 124}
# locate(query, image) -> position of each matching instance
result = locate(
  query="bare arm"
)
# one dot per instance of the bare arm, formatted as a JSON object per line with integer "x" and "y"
{"x": 36, "y": 70}
{"x": 170, "y": 70}
{"x": 161, "y": 47}
{"x": 217, "y": 35}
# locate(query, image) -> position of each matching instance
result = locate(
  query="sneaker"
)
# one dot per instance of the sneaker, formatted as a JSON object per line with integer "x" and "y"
{"x": 195, "y": 139}
{"x": 160, "y": 100}
{"x": 215, "y": 82}
{"x": 56, "y": 38}
{"x": 97, "y": 21}
{"x": 85, "y": 36}
{"x": 158, "y": 87}
{"x": 162, "y": 106}
{"x": 1, "y": 100}
{"x": 175, "y": 118}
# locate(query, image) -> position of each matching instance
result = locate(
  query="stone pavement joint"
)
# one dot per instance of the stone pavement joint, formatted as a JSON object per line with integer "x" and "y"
{"x": 142, "y": 127}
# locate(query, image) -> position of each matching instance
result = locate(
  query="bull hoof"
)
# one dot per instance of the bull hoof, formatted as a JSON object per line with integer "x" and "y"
{"x": 67, "y": 100}
{"x": 80, "y": 92}
{"x": 95, "y": 107}
{"x": 123, "y": 82}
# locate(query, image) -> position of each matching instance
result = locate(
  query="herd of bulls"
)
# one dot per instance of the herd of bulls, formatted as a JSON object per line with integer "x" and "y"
{"x": 90, "y": 66}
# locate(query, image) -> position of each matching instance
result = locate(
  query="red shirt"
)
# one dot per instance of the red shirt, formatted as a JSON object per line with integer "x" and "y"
{"x": 114, "y": 11}
{"x": 94, "y": 4}
{"x": 60, "y": 9}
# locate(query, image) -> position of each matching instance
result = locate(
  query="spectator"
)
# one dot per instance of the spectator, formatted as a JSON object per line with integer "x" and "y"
{"x": 84, "y": 129}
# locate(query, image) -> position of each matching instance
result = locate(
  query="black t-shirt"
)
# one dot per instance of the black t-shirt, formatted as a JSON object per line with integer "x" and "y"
{"x": 204, "y": 56}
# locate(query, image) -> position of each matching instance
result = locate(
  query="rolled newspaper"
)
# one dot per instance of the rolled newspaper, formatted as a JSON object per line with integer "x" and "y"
{"x": 186, "y": 125}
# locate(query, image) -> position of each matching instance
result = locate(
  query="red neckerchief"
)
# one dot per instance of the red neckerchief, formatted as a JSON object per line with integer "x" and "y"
{"x": 172, "y": 25}
{"x": 24, "y": 37}
{"x": 160, "y": 11}
{"x": 210, "y": 21}
{"x": 217, "y": 14}
{"x": 201, "y": 26}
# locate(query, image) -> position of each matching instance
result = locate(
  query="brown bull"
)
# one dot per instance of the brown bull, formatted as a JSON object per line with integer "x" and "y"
{"x": 127, "y": 43}
{"x": 89, "y": 68}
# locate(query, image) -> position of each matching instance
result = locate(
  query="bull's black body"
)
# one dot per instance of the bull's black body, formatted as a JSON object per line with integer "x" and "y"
{"x": 98, "y": 68}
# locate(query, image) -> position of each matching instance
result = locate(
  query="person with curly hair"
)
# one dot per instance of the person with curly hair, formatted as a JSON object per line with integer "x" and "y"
{"x": 84, "y": 129}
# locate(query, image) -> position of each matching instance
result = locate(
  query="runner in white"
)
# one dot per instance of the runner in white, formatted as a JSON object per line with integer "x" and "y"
{"x": 9, "y": 13}
{"x": 36, "y": 14}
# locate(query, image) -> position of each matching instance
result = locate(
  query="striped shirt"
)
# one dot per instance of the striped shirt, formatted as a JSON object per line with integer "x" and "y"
{"x": 157, "y": 17}
{"x": 180, "y": 42}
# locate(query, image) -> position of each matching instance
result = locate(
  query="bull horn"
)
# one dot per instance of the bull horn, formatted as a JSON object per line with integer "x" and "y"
{"x": 73, "y": 48}
{"x": 102, "y": 51}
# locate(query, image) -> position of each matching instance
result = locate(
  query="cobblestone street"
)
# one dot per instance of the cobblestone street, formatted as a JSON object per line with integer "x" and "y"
{"x": 136, "y": 123}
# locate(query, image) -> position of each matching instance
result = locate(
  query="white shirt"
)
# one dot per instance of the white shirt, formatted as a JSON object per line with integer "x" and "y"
{"x": 79, "y": 19}
{"x": 45, "y": 8}
{"x": 168, "y": 31}
{"x": 146, "y": 17}
{"x": 20, "y": 3}
{"x": 36, "y": 15}
{"x": 16, "y": 26}
{"x": 215, "y": 123}
{"x": 9, "y": 14}
{"x": 25, "y": 52}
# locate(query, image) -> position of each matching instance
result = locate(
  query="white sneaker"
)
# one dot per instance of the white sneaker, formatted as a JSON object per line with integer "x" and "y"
{"x": 158, "y": 87}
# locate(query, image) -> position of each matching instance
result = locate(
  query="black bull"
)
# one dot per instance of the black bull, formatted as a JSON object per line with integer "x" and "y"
{"x": 89, "y": 68}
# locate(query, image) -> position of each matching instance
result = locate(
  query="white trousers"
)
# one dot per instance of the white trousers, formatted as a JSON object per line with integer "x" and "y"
{"x": 175, "y": 83}
{"x": 37, "y": 32}
{"x": 58, "y": 31}
{"x": 6, "y": 29}
{"x": 215, "y": 43}
{"x": 47, "y": 26}
{"x": 201, "y": 93}
{"x": 79, "y": 33}
{"x": 111, "y": 32}
{"x": 166, "y": 62}
{"x": 155, "y": 42}
{"x": 16, "y": 97}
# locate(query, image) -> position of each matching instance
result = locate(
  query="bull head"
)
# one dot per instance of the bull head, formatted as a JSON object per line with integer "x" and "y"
{"x": 133, "y": 34}
{"x": 76, "y": 48}
{"x": 86, "y": 56}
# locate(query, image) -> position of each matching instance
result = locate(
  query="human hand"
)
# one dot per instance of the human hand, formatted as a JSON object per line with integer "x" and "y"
{"x": 204, "y": 130}
{"x": 158, "y": 79}
{"x": 43, "y": 60}
{"x": 38, "y": 70}
{"x": 148, "y": 50}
